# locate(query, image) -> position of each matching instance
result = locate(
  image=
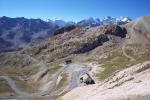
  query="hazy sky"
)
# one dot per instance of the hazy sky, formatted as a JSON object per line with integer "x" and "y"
{"x": 73, "y": 10}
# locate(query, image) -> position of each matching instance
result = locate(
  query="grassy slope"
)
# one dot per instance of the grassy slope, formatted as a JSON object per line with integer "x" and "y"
{"x": 117, "y": 61}
{"x": 5, "y": 90}
{"x": 16, "y": 72}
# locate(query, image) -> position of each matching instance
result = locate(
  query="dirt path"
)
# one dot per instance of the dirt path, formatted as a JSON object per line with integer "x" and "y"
{"x": 125, "y": 54}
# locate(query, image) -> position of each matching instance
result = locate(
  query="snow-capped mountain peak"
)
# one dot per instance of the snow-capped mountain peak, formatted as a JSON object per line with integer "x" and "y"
{"x": 124, "y": 19}
{"x": 91, "y": 22}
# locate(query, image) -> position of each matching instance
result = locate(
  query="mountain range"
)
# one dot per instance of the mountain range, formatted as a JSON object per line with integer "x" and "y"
{"x": 16, "y": 33}
{"x": 108, "y": 62}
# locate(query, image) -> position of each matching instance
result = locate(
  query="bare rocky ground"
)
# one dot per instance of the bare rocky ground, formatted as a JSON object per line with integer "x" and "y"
{"x": 129, "y": 84}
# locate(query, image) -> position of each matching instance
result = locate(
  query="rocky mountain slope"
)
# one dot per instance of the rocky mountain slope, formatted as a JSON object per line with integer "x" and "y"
{"x": 76, "y": 41}
{"x": 112, "y": 56}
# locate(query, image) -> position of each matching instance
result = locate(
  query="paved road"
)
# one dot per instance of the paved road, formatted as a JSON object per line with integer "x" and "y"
{"x": 76, "y": 70}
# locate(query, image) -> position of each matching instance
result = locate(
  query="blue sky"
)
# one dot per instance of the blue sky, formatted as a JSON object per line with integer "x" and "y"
{"x": 73, "y": 10}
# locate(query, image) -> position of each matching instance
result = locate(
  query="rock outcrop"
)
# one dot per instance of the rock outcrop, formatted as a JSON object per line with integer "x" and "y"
{"x": 76, "y": 40}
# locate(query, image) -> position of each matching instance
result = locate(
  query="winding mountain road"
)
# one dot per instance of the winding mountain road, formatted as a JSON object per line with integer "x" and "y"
{"x": 74, "y": 70}
{"x": 13, "y": 86}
